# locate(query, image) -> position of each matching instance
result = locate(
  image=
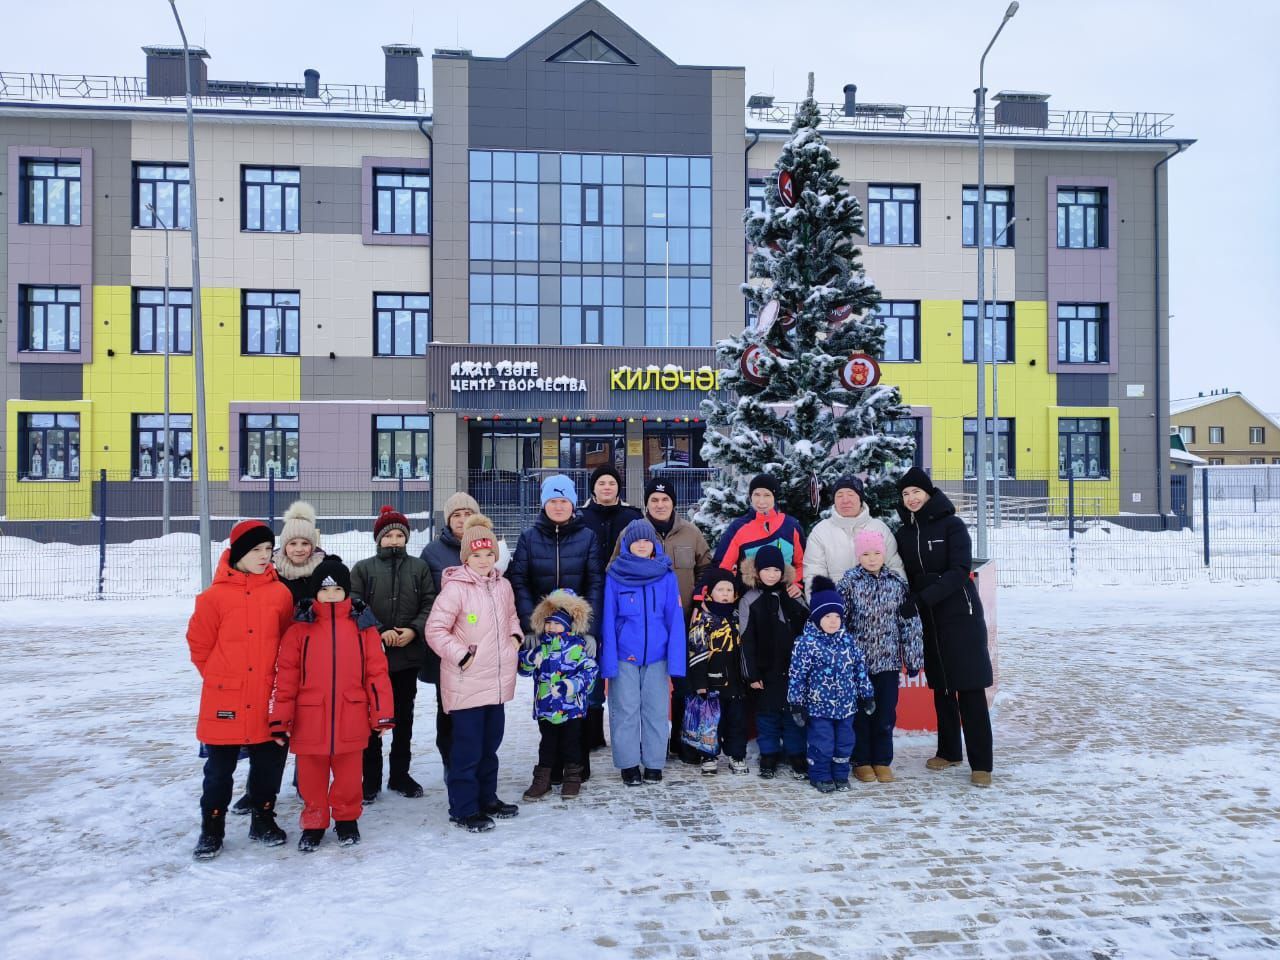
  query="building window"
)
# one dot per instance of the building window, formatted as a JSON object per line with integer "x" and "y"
{"x": 1217, "y": 434}
{"x": 49, "y": 446}
{"x": 1003, "y": 447}
{"x": 1257, "y": 461}
{"x": 1215, "y": 461}
{"x": 1188, "y": 435}
{"x": 1083, "y": 450}
{"x": 901, "y": 330}
{"x": 999, "y": 331}
{"x": 402, "y": 447}
{"x": 1082, "y": 217}
{"x": 1257, "y": 434}
{"x": 893, "y": 215}
{"x": 755, "y": 195}
{"x": 401, "y": 324}
{"x": 270, "y": 198}
{"x": 50, "y": 192}
{"x": 268, "y": 445}
{"x": 912, "y": 427}
{"x": 167, "y": 188}
{"x": 504, "y": 308}
{"x": 402, "y": 201}
{"x": 150, "y": 450}
{"x": 684, "y": 319}
{"x": 1275, "y": 461}
{"x": 269, "y": 322}
{"x": 998, "y": 213}
{"x": 149, "y": 322}
{"x": 48, "y": 319}
{"x": 1082, "y": 333}
{"x": 500, "y": 454}
{"x": 591, "y": 310}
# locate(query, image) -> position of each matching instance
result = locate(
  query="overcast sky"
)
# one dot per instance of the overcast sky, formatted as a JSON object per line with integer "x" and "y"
{"x": 1212, "y": 65}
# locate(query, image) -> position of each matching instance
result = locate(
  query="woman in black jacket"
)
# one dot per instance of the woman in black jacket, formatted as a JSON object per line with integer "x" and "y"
{"x": 938, "y": 557}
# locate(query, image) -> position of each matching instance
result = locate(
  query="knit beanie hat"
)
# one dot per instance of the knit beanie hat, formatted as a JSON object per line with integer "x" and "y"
{"x": 246, "y": 535}
{"x": 562, "y": 617}
{"x": 300, "y": 524}
{"x": 770, "y": 556}
{"x": 459, "y": 501}
{"x": 764, "y": 482}
{"x": 823, "y": 600}
{"x": 865, "y": 540}
{"x": 659, "y": 485}
{"x": 331, "y": 572}
{"x": 558, "y": 487}
{"x": 638, "y": 530}
{"x": 477, "y": 534}
{"x": 389, "y": 519}
{"x": 720, "y": 575}
{"x": 850, "y": 482}
{"x": 604, "y": 470}
{"x": 915, "y": 477}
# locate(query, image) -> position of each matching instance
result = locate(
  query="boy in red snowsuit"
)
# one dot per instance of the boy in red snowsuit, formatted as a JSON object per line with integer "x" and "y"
{"x": 331, "y": 689}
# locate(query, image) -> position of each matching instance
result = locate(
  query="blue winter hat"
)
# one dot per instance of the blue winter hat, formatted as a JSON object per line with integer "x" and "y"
{"x": 562, "y": 617}
{"x": 558, "y": 487}
{"x": 639, "y": 530}
{"x": 823, "y": 600}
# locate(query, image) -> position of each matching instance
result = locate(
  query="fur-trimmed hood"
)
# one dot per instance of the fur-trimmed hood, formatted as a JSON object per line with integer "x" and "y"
{"x": 576, "y": 606}
{"x": 747, "y": 571}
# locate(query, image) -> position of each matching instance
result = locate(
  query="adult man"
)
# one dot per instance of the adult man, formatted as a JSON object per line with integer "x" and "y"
{"x": 830, "y": 551}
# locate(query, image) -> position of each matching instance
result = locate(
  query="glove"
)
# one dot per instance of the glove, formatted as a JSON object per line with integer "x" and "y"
{"x": 798, "y": 714}
{"x": 530, "y": 641}
{"x": 913, "y": 673}
{"x": 280, "y": 737}
{"x": 868, "y": 707}
{"x": 907, "y": 609}
{"x": 589, "y": 646}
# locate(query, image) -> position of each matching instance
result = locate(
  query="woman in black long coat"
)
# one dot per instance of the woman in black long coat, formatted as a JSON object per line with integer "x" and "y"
{"x": 938, "y": 557}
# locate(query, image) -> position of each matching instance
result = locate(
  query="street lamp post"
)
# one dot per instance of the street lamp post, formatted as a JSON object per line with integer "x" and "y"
{"x": 980, "y": 225}
{"x": 197, "y": 333}
{"x": 167, "y": 464}
{"x": 995, "y": 373}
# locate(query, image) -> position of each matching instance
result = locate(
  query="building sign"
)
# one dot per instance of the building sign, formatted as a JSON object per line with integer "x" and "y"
{"x": 670, "y": 377}
{"x": 511, "y": 376}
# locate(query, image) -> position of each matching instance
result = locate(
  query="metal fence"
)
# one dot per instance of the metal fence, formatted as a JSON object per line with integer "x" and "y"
{"x": 103, "y": 539}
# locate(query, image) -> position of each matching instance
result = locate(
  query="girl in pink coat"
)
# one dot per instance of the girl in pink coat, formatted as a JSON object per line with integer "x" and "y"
{"x": 475, "y": 630}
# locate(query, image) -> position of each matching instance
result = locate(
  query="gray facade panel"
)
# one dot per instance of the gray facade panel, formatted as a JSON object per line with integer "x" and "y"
{"x": 1084, "y": 390}
{"x": 331, "y": 200}
{"x": 51, "y": 381}
{"x": 363, "y": 378}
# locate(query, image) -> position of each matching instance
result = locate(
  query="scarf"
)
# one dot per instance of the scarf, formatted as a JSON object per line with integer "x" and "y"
{"x": 640, "y": 571}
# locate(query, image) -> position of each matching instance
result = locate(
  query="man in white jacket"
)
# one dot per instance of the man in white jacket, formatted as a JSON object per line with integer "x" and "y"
{"x": 830, "y": 551}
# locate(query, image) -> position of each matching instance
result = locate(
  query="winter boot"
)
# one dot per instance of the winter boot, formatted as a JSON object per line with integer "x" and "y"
{"x": 709, "y": 767}
{"x": 980, "y": 778}
{"x": 242, "y": 806}
{"x": 405, "y": 785}
{"x": 572, "y": 781}
{"x": 826, "y": 786}
{"x": 500, "y": 811}
{"x": 263, "y": 827}
{"x": 348, "y": 833}
{"x": 541, "y": 785}
{"x": 738, "y": 766}
{"x": 768, "y": 766}
{"x": 799, "y": 766}
{"x": 213, "y": 827}
{"x": 632, "y": 777}
{"x": 475, "y": 823}
{"x": 585, "y": 774}
{"x": 940, "y": 763}
{"x": 883, "y": 773}
{"x": 864, "y": 773}
{"x": 652, "y": 776}
{"x": 842, "y": 786}
{"x": 309, "y": 842}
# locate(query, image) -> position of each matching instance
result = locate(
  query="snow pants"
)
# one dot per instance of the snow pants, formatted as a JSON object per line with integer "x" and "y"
{"x": 830, "y": 747}
{"x": 320, "y": 795}
{"x": 873, "y": 735}
{"x": 777, "y": 733}
{"x": 473, "y": 758}
{"x": 638, "y": 726}
{"x": 266, "y": 769}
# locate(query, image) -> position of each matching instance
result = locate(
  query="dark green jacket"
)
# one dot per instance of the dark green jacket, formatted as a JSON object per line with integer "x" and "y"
{"x": 398, "y": 589}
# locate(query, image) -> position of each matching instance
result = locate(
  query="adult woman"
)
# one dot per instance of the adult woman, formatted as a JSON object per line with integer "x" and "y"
{"x": 938, "y": 558}
{"x": 829, "y": 551}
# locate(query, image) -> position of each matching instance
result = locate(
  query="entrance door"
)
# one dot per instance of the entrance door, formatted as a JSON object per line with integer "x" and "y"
{"x": 586, "y": 446}
{"x": 499, "y": 461}
{"x": 674, "y": 452}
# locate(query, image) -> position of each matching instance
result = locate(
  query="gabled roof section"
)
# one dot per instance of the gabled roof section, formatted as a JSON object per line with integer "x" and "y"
{"x": 586, "y": 19}
{"x": 1178, "y": 407}
{"x": 591, "y": 48}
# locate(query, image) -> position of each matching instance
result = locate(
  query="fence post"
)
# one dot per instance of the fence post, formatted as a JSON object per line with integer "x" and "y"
{"x": 271, "y": 497}
{"x": 1204, "y": 494}
{"x": 102, "y": 530}
{"x": 400, "y": 491}
{"x": 1071, "y": 516}
{"x": 1255, "y": 498}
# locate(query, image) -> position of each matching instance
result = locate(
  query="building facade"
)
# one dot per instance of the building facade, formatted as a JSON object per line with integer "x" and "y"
{"x": 1226, "y": 429}
{"x": 530, "y": 274}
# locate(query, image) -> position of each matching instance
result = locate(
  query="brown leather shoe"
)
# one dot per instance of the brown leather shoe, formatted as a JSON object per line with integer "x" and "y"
{"x": 883, "y": 773}
{"x": 940, "y": 763}
{"x": 980, "y": 778}
{"x": 572, "y": 785}
{"x": 864, "y": 774}
{"x": 541, "y": 785}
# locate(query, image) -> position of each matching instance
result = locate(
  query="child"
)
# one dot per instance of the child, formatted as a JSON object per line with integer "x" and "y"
{"x": 564, "y": 670}
{"x": 716, "y": 664}
{"x": 475, "y": 630}
{"x": 874, "y": 601}
{"x": 234, "y": 636}
{"x": 299, "y": 552}
{"x": 398, "y": 589}
{"x": 643, "y": 645}
{"x": 828, "y": 685}
{"x": 332, "y": 665}
{"x": 772, "y": 619}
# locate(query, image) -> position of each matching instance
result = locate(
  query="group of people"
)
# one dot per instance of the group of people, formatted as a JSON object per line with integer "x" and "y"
{"x": 806, "y": 635}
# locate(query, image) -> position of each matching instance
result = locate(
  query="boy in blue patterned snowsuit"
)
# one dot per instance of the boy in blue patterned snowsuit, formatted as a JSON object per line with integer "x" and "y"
{"x": 828, "y": 684}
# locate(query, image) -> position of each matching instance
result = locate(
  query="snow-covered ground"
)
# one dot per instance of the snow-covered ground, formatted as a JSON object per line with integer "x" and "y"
{"x": 1135, "y": 813}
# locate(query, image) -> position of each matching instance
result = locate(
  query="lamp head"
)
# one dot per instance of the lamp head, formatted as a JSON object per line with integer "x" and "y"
{"x": 1013, "y": 8}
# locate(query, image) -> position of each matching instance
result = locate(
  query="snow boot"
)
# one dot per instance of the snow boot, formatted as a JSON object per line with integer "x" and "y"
{"x": 541, "y": 785}
{"x": 242, "y": 806}
{"x": 825, "y": 787}
{"x": 348, "y": 833}
{"x": 940, "y": 763}
{"x": 263, "y": 827}
{"x": 842, "y": 786}
{"x": 500, "y": 811}
{"x": 883, "y": 773}
{"x": 475, "y": 823}
{"x": 864, "y": 773}
{"x": 309, "y": 842}
{"x": 369, "y": 795}
{"x": 652, "y": 776}
{"x": 632, "y": 777}
{"x": 980, "y": 778}
{"x": 738, "y": 766}
{"x": 709, "y": 767}
{"x": 799, "y": 766}
{"x": 405, "y": 785}
{"x": 213, "y": 827}
{"x": 572, "y": 781}
{"x": 768, "y": 766}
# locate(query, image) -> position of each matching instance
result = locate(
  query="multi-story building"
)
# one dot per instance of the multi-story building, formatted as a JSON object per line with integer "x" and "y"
{"x": 531, "y": 272}
{"x": 1226, "y": 428}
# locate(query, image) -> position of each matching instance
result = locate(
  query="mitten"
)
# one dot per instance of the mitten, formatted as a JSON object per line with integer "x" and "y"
{"x": 530, "y": 641}
{"x": 907, "y": 609}
{"x": 798, "y": 714}
{"x": 868, "y": 707}
{"x": 589, "y": 646}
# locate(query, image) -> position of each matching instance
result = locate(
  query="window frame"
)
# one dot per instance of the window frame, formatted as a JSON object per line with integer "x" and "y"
{"x": 290, "y": 311}
{"x": 285, "y": 188}
{"x": 1188, "y": 434}
{"x": 916, "y": 432}
{"x": 1260, "y": 432}
{"x": 914, "y": 318}
{"x": 155, "y": 310}
{"x": 72, "y": 333}
{"x": 177, "y": 431}
{"x": 1102, "y": 321}
{"x": 875, "y": 210}
{"x": 71, "y": 441}
{"x": 1257, "y": 461}
{"x": 969, "y": 446}
{"x": 757, "y": 190}
{"x": 378, "y": 429}
{"x": 1103, "y": 437}
{"x": 1063, "y": 221}
{"x": 969, "y": 335}
{"x": 1216, "y": 462}
{"x": 969, "y": 214}
{"x": 284, "y": 429}
{"x": 26, "y": 180}
{"x": 417, "y": 314}
{"x": 1220, "y": 433}
{"x": 173, "y": 215}
{"x": 416, "y": 228}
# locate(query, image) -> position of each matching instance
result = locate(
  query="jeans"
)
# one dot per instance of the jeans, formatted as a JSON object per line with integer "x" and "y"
{"x": 777, "y": 733}
{"x": 561, "y": 743}
{"x": 964, "y": 710}
{"x": 638, "y": 715}
{"x": 404, "y": 688}
{"x": 733, "y": 727}
{"x": 320, "y": 795}
{"x": 830, "y": 746}
{"x": 266, "y": 769}
{"x": 873, "y": 735}
{"x": 473, "y": 761}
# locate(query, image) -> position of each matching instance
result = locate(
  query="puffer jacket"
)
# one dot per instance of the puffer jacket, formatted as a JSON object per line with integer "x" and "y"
{"x": 717, "y": 660}
{"x": 332, "y": 686}
{"x": 398, "y": 589}
{"x": 690, "y": 557}
{"x": 554, "y": 556}
{"x": 828, "y": 675}
{"x": 871, "y": 601}
{"x": 297, "y": 576}
{"x": 938, "y": 557}
{"x": 445, "y": 551}
{"x": 234, "y": 637}
{"x": 562, "y": 668}
{"x": 607, "y": 523}
{"x": 746, "y": 535}
{"x": 771, "y": 622}
{"x": 642, "y": 622}
{"x": 829, "y": 551}
{"x": 475, "y": 611}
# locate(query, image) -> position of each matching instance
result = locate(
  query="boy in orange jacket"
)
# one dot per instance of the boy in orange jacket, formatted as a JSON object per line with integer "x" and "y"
{"x": 234, "y": 636}
{"x": 332, "y": 688}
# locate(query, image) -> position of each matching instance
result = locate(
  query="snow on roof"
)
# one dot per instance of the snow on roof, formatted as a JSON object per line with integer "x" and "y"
{"x": 1181, "y": 456}
{"x": 1177, "y": 407}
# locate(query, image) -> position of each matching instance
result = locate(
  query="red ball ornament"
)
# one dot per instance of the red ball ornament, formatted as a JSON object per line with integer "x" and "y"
{"x": 860, "y": 371}
{"x": 751, "y": 366}
{"x": 787, "y": 188}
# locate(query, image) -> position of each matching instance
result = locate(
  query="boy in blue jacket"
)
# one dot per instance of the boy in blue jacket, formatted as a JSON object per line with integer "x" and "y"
{"x": 642, "y": 645}
{"x": 827, "y": 686}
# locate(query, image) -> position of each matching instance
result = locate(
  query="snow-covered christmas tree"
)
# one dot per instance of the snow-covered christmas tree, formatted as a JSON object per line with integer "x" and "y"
{"x": 794, "y": 404}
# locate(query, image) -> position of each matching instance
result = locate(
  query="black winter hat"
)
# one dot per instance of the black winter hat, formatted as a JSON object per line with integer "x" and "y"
{"x": 720, "y": 575}
{"x": 246, "y": 535}
{"x": 659, "y": 485}
{"x": 770, "y": 556}
{"x": 916, "y": 477}
{"x": 766, "y": 482}
{"x": 850, "y": 482}
{"x": 331, "y": 572}
{"x": 604, "y": 470}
